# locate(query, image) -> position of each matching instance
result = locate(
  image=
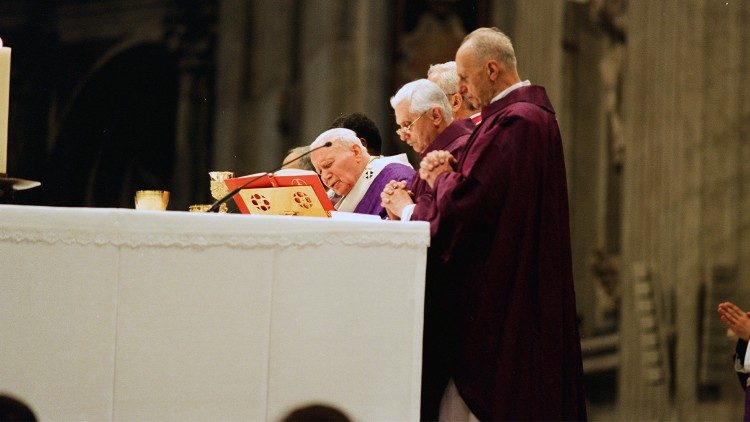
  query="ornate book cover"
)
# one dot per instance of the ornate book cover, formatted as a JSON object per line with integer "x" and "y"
{"x": 286, "y": 192}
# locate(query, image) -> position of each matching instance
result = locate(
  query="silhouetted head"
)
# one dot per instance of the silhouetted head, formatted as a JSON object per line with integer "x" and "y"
{"x": 365, "y": 129}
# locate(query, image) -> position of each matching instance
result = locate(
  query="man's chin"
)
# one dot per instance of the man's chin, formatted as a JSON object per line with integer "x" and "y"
{"x": 341, "y": 192}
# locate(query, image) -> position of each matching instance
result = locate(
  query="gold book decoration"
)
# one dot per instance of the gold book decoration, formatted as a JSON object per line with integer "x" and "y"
{"x": 291, "y": 200}
{"x": 218, "y": 187}
{"x": 286, "y": 192}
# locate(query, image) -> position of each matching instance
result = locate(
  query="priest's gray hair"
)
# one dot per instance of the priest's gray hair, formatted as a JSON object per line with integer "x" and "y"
{"x": 339, "y": 137}
{"x": 423, "y": 95}
{"x": 445, "y": 76}
{"x": 491, "y": 43}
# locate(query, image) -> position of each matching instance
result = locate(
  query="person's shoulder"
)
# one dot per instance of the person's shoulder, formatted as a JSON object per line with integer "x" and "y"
{"x": 530, "y": 100}
{"x": 525, "y": 109}
{"x": 457, "y": 145}
{"x": 464, "y": 126}
{"x": 518, "y": 112}
{"x": 397, "y": 171}
{"x": 398, "y": 168}
{"x": 522, "y": 103}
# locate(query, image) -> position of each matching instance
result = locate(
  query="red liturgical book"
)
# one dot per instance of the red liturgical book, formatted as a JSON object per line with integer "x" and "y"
{"x": 286, "y": 192}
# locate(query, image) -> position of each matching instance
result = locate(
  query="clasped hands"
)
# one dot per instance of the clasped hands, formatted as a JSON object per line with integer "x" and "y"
{"x": 395, "y": 195}
{"x": 434, "y": 164}
{"x": 735, "y": 319}
{"x": 394, "y": 198}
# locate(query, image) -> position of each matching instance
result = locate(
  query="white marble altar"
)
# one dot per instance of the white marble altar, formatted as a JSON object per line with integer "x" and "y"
{"x": 115, "y": 314}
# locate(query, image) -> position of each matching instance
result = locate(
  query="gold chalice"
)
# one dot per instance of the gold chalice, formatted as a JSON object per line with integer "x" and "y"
{"x": 218, "y": 187}
{"x": 151, "y": 200}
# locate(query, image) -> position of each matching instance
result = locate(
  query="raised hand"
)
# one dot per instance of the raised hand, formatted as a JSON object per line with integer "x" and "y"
{"x": 434, "y": 164}
{"x": 735, "y": 319}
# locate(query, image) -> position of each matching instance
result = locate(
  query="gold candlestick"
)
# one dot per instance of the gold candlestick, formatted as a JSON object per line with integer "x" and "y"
{"x": 4, "y": 105}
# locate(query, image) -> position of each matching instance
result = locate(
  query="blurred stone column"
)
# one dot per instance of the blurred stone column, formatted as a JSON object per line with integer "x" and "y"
{"x": 190, "y": 33}
{"x": 743, "y": 111}
{"x": 231, "y": 73}
{"x": 371, "y": 42}
{"x": 538, "y": 29}
{"x": 681, "y": 201}
{"x": 538, "y": 41}
{"x": 343, "y": 63}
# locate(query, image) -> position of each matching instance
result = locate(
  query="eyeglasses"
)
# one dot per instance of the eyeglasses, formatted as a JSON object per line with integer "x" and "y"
{"x": 406, "y": 129}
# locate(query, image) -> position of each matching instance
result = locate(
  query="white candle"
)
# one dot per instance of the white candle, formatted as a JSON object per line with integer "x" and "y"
{"x": 4, "y": 104}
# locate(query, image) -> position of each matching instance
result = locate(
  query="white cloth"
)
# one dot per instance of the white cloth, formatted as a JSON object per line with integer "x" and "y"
{"x": 351, "y": 200}
{"x": 407, "y": 212}
{"x": 510, "y": 89}
{"x": 739, "y": 367}
{"x": 453, "y": 408}
{"x": 128, "y": 298}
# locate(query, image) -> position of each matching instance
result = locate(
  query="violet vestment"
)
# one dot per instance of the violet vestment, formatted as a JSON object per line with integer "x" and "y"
{"x": 364, "y": 197}
{"x": 436, "y": 352}
{"x": 501, "y": 229}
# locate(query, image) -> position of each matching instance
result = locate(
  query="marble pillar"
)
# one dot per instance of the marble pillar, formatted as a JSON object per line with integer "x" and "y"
{"x": 682, "y": 189}
{"x": 344, "y": 63}
{"x": 191, "y": 36}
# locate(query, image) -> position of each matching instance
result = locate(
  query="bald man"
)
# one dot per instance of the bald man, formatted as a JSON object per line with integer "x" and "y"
{"x": 502, "y": 231}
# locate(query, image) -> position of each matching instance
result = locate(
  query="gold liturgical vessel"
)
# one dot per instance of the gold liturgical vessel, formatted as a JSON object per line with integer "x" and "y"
{"x": 218, "y": 190}
{"x": 151, "y": 200}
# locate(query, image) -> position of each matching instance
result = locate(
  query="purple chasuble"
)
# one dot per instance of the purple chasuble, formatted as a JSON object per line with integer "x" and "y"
{"x": 436, "y": 356}
{"x": 370, "y": 203}
{"x": 501, "y": 228}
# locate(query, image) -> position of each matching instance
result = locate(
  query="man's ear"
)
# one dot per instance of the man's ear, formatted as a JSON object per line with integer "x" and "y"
{"x": 456, "y": 101}
{"x": 437, "y": 116}
{"x": 364, "y": 142}
{"x": 356, "y": 150}
{"x": 493, "y": 68}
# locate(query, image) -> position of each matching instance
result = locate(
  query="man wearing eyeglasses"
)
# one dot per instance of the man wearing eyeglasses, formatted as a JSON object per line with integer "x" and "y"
{"x": 425, "y": 120}
{"x": 353, "y": 174}
{"x": 426, "y": 124}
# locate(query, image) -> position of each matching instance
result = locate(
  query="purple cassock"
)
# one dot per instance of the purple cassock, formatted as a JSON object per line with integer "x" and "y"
{"x": 501, "y": 229}
{"x": 370, "y": 202}
{"x": 435, "y": 355}
{"x": 452, "y": 139}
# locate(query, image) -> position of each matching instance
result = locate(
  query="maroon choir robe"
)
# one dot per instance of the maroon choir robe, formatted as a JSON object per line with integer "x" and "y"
{"x": 452, "y": 139}
{"x": 502, "y": 231}
{"x": 435, "y": 355}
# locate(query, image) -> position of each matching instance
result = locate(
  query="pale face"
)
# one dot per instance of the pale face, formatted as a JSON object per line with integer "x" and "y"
{"x": 421, "y": 133}
{"x": 339, "y": 166}
{"x": 473, "y": 77}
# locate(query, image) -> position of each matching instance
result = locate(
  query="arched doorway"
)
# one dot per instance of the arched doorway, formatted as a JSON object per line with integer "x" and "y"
{"x": 118, "y": 133}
